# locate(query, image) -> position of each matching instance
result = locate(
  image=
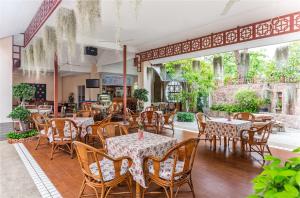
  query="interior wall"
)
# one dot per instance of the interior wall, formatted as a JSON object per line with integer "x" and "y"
{"x": 6, "y": 78}
{"x": 48, "y": 79}
{"x": 71, "y": 83}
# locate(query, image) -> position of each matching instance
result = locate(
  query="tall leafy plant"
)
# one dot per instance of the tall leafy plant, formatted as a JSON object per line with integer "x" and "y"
{"x": 142, "y": 96}
{"x": 247, "y": 100}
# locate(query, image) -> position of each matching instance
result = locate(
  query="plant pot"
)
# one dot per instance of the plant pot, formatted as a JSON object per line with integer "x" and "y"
{"x": 14, "y": 141}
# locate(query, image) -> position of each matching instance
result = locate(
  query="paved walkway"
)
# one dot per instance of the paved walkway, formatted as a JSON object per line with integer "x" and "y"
{"x": 15, "y": 181}
{"x": 288, "y": 140}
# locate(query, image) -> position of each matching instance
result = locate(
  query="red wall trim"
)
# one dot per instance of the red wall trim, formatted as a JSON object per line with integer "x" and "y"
{"x": 43, "y": 13}
{"x": 285, "y": 24}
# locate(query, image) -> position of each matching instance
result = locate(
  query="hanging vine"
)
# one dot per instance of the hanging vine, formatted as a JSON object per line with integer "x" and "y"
{"x": 66, "y": 28}
{"x": 50, "y": 43}
{"x": 88, "y": 13}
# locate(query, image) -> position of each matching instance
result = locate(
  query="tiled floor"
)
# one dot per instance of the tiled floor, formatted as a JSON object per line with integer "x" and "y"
{"x": 217, "y": 173}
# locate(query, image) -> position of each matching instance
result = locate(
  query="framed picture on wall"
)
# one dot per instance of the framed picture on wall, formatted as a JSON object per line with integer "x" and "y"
{"x": 40, "y": 91}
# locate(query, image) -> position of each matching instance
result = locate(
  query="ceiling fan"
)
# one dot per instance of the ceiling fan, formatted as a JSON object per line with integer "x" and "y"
{"x": 228, "y": 6}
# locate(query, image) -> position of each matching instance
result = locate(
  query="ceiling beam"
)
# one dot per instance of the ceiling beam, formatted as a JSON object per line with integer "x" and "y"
{"x": 276, "y": 26}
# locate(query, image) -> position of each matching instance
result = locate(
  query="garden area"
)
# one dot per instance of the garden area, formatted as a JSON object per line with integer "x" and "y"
{"x": 264, "y": 79}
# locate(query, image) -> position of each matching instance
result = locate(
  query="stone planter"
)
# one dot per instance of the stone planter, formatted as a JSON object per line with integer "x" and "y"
{"x": 13, "y": 141}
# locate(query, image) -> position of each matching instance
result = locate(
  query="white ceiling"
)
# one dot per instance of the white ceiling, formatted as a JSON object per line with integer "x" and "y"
{"x": 158, "y": 22}
{"x": 15, "y": 15}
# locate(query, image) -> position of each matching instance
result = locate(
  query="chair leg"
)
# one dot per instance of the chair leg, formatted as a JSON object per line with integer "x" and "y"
{"x": 52, "y": 150}
{"x": 82, "y": 188}
{"x": 171, "y": 192}
{"x": 268, "y": 149}
{"x": 190, "y": 182}
{"x": 72, "y": 149}
{"x": 38, "y": 143}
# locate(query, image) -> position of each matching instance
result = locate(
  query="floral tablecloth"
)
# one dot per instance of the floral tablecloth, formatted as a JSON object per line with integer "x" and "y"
{"x": 81, "y": 122}
{"x": 223, "y": 127}
{"x": 137, "y": 150}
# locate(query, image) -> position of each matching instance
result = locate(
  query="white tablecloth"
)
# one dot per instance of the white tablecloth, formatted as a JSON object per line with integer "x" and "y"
{"x": 137, "y": 150}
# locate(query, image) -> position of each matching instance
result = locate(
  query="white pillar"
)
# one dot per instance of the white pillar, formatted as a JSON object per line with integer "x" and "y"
{"x": 6, "y": 66}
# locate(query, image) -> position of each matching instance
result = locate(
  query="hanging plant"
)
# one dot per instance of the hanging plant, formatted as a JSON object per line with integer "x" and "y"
{"x": 30, "y": 56}
{"x": 50, "y": 43}
{"x": 66, "y": 28}
{"x": 88, "y": 11}
{"x": 24, "y": 62}
{"x": 39, "y": 53}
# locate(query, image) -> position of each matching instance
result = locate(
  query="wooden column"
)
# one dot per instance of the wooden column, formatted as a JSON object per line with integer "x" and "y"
{"x": 124, "y": 82}
{"x": 55, "y": 86}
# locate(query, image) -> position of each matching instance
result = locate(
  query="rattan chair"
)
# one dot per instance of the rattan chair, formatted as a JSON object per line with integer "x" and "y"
{"x": 132, "y": 118}
{"x": 257, "y": 139}
{"x": 150, "y": 119}
{"x": 201, "y": 122}
{"x": 101, "y": 171}
{"x": 64, "y": 132}
{"x": 92, "y": 130}
{"x": 41, "y": 123}
{"x": 174, "y": 169}
{"x": 244, "y": 116}
{"x": 168, "y": 121}
{"x": 84, "y": 113}
{"x": 151, "y": 108}
{"x": 110, "y": 129}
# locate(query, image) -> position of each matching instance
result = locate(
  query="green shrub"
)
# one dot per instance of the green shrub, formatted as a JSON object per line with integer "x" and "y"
{"x": 278, "y": 180}
{"x": 20, "y": 113}
{"x": 231, "y": 108}
{"x": 14, "y": 135}
{"x": 247, "y": 101}
{"x": 185, "y": 117}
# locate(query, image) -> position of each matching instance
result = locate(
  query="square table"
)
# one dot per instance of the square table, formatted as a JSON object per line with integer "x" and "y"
{"x": 81, "y": 122}
{"x": 228, "y": 129}
{"x": 137, "y": 150}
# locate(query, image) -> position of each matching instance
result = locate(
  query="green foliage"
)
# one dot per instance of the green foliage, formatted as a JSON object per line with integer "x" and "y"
{"x": 14, "y": 135}
{"x": 23, "y": 91}
{"x": 20, "y": 113}
{"x": 247, "y": 101}
{"x": 230, "y": 108}
{"x": 141, "y": 94}
{"x": 230, "y": 68}
{"x": 185, "y": 117}
{"x": 196, "y": 81}
{"x": 278, "y": 180}
{"x": 257, "y": 65}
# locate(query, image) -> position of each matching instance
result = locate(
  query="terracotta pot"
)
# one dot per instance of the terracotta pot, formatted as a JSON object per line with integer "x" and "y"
{"x": 13, "y": 141}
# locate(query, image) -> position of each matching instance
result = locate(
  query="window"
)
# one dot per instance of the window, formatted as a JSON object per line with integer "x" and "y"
{"x": 172, "y": 90}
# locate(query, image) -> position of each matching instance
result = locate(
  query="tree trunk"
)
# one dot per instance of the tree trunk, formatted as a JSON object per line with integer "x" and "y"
{"x": 242, "y": 61}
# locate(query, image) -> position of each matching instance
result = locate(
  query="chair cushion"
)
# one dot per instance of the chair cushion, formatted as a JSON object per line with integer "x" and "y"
{"x": 165, "y": 171}
{"x": 107, "y": 169}
{"x": 256, "y": 138}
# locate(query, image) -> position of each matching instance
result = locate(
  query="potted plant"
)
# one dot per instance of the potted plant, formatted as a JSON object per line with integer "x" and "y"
{"x": 21, "y": 115}
{"x": 13, "y": 137}
{"x": 23, "y": 92}
{"x": 74, "y": 112}
{"x": 278, "y": 179}
{"x": 142, "y": 96}
{"x": 71, "y": 98}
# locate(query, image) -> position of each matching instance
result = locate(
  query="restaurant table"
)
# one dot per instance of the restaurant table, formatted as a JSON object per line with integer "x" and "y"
{"x": 137, "y": 150}
{"x": 81, "y": 123}
{"x": 41, "y": 111}
{"x": 217, "y": 127}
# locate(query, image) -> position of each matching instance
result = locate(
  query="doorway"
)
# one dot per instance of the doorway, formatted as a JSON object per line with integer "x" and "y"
{"x": 81, "y": 93}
